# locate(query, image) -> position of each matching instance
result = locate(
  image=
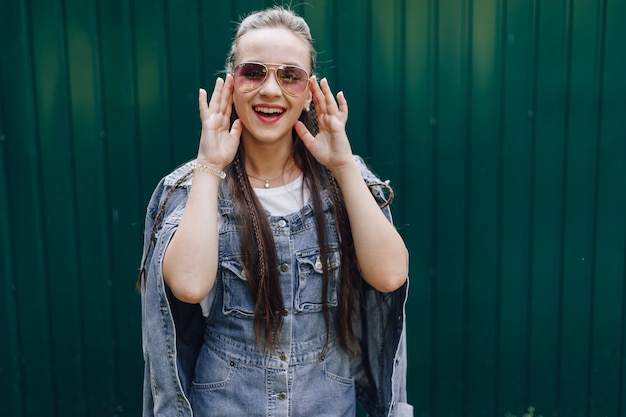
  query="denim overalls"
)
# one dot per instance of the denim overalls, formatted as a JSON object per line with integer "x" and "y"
{"x": 214, "y": 365}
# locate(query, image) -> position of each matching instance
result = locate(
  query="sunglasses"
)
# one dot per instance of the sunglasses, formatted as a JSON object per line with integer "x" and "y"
{"x": 249, "y": 76}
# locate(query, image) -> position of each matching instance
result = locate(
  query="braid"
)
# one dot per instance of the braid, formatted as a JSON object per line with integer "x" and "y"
{"x": 155, "y": 225}
{"x": 350, "y": 278}
{"x": 260, "y": 260}
{"x": 350, "y": 289}
{"x": 253, "y": 216}
{"x": 385, "y": 185}
{"x": 312, "y": 122}
{"x": 310, "y": 165}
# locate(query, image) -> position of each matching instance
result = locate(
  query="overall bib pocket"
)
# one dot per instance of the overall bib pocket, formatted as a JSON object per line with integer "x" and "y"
{"x": 308, "y": 297}
{"x": 238, "y": 301}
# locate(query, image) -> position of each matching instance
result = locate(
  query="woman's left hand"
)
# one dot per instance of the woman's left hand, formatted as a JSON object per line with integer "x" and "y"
{"x": 381, "y": 255}
{"x": 331, "y": 146}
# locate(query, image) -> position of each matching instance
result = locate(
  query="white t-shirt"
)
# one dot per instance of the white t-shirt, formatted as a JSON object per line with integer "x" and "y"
{"x": 278, "y": 201}
{"x": 283, "y": 200}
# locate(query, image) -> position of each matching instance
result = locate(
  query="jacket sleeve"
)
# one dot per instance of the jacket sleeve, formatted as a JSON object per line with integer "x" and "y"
{"x": 376, "y": 186}
{"x": 164, "y": 389}
{"x": 380, "y": 369}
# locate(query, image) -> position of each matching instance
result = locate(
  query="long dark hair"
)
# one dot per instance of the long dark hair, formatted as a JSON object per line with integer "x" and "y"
{"x": 257, "y": 242}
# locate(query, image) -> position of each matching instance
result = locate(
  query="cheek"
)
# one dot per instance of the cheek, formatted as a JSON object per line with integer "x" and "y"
{"x": 302, "y": 103}
{"x": 238, "y": 105}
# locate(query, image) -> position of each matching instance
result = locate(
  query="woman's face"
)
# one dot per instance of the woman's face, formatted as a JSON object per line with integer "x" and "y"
{"x": 268, "y": 113}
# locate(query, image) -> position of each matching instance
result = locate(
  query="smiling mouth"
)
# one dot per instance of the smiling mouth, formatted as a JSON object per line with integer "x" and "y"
{"x": 268, "y": 111}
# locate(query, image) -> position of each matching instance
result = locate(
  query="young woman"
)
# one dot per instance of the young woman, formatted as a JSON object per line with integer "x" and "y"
{"x": 273, "y": 283}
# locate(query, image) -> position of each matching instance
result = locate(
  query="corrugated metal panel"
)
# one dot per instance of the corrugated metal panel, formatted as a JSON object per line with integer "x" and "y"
{"x": 500, "y": 123}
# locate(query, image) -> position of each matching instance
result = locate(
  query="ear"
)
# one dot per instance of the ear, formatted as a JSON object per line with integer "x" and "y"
{"x": 309, "y": 99}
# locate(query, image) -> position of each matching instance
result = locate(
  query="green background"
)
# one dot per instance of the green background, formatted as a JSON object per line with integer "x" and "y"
{"x": 500, "y": 123}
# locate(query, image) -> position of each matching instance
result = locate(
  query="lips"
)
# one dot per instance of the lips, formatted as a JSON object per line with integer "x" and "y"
{"x": 269, "y": 114}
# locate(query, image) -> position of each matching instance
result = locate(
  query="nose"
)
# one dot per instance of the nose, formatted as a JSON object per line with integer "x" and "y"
{"x": 271, "y": 87}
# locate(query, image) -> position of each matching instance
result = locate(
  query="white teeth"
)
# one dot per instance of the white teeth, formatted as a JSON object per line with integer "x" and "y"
{"x": 268, "y": 110}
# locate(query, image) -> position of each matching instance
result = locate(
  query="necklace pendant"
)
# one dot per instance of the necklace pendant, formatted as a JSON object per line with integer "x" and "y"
{"x": 267, "y": 184}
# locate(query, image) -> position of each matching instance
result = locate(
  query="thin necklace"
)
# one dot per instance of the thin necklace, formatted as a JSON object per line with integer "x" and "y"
{"x": 267, "y": 180}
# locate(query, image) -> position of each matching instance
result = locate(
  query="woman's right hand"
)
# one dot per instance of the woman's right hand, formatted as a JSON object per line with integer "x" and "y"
{"x": 190, "y": 260}
{"x": 218, "y": 141}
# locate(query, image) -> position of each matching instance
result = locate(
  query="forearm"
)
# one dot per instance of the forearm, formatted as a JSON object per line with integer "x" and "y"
{"x": 190, "y": 260}
{"x": 381, "y": 253}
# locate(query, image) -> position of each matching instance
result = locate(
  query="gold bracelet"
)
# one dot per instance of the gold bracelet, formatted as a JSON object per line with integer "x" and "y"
{"x": 214, "y": 171}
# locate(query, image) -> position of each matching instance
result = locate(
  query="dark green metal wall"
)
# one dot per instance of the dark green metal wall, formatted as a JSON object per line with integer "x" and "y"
{"x": 501, "y": 124}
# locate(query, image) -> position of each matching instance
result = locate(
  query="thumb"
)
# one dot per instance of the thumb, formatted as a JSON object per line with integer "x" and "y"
{"x": 304, "y": 133}
{"x": 236, "y": 128}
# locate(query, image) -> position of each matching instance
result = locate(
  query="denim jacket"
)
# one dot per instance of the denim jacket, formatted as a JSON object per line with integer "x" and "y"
{"x": 173, "y": 332}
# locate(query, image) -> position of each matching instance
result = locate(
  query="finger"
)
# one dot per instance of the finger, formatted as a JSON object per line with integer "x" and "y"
{"x": 304, "y": 133}
{"x": 331, "y": 103}
{"x": 226, "y": 99}
{"x": 203, "y": 106}
{"x": 236, "y": 128}
{"x": 343, "y": 103}
{"x": 216, "y": 95}
{"x": 318, "y": 96}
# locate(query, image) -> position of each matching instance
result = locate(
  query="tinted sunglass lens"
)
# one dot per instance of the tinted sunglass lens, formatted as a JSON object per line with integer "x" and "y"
{"x": 249, "y": 76}
{"x": 292, "y": 79}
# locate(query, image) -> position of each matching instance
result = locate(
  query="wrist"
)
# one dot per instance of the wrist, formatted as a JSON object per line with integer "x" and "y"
{"x": 208, "y": 169}
{"x": 348, "y": 168}
{"x": 209, "y": 163}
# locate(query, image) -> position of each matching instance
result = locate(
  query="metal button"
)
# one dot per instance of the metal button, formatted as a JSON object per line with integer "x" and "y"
{"x": 318, "y": 264}
{"x": 282, "y": 223}
{"x": 284, "y": 267}
{"x": 284, "y": 357}
{"x": 282, "y": 396}
{"x": 284, "y": 312}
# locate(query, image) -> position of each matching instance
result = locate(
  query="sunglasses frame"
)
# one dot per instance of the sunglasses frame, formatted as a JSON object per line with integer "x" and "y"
{"x": 274, "y": 67}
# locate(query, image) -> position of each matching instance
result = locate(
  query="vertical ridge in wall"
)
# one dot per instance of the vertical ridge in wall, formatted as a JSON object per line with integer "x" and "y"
{"x": 352, "y": 69}
{"x": 153, "y": 95}
{"x": 607, "y": 349}
{"x": 125, "y": 211}
{"x": 417, "y": 199}
{"x": 28, "y": 206}
{"x": 10, "y": 373}
{"x": 579, "y": 206}
{"x": 549, "y": 157}
{"x": 517, "y": 158}
{"x": 482, "y": 193}
{"x": 92, "y": 203}
{"x": 451, "y": 142}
